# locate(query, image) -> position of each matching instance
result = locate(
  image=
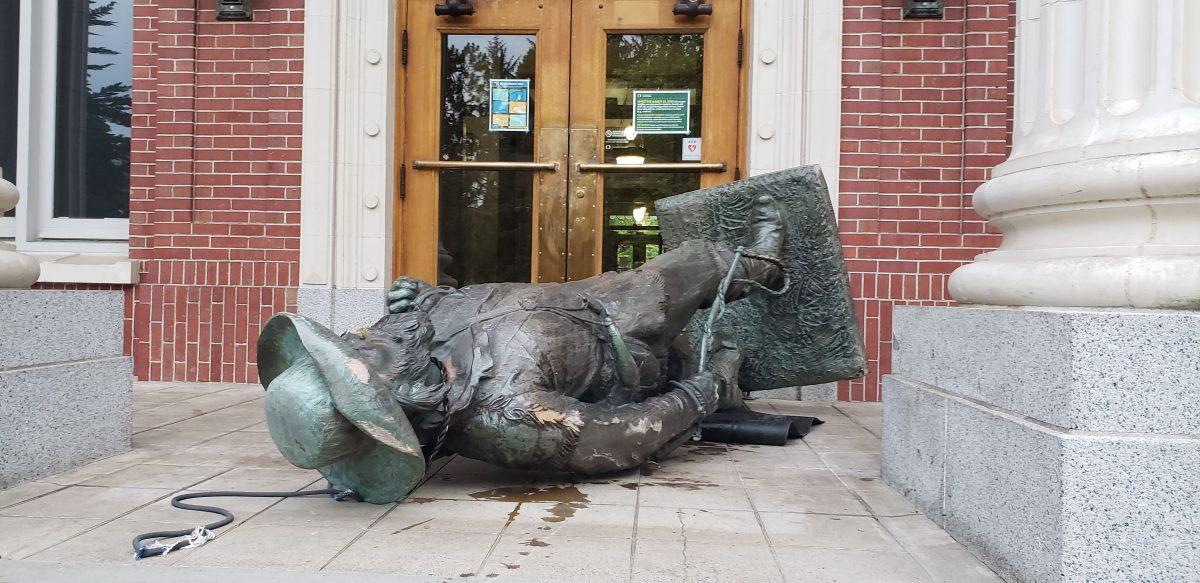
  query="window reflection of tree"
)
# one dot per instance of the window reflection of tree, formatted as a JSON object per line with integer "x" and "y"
{"x": 93, "y": 122}
{"x": 485, "y": 220}
{"x": 646, "y": 61}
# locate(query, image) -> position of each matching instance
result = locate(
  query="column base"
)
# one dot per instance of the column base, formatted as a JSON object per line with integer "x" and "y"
{"x": 1057, "y": 445}
{"x": 1161, "y": 281}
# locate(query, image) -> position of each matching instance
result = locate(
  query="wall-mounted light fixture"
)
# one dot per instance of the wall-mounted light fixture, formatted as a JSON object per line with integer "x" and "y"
{"x": 235, "y": 9}
{"x": 924, "y": 8}
{"x": 692, "y": 8}
{"x": 454, "y": 8}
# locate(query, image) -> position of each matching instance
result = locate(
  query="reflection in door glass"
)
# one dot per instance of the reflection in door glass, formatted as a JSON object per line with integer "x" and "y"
{"x": 641, "y": 62}
{"x": 485, "y": 219}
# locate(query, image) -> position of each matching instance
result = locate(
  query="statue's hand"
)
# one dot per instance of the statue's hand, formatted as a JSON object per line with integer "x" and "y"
{"x": 404, "y": 290}
{"x": 725, "y": 364}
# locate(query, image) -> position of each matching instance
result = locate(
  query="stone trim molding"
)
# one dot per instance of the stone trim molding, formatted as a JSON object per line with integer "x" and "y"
{"x": 346, "y": 185}
{"x": 795, "y": 59}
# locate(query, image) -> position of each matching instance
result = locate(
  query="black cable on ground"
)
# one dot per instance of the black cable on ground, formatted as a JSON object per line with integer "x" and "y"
{"x": 203, "y": 533}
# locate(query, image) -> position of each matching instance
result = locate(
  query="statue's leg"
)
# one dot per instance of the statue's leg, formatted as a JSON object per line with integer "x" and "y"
{"x": 692, "y": 273}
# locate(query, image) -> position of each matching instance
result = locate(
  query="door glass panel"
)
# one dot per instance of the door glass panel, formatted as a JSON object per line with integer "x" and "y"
{"x": 641, "y": 62}
{"x": 485, "y": 218}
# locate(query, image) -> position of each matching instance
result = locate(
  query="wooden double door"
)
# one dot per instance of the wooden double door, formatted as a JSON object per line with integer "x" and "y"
{"x": 535, "y": 135}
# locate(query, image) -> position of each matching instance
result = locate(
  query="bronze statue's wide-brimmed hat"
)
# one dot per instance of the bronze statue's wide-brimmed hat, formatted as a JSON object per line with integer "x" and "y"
{"x": 327, "y": 410}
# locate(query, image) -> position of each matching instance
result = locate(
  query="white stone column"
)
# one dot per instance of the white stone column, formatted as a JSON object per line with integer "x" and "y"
{"x": 17, "y": 270}
{"x": 1100, "y": 200}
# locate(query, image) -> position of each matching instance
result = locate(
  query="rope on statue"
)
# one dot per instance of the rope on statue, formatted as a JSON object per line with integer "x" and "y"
{"x": 715, "y": 313}
{"x": 718, "y": 306}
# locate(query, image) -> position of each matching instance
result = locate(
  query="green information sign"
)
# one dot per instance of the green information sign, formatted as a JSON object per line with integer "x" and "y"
{"x": 662, "y": 112}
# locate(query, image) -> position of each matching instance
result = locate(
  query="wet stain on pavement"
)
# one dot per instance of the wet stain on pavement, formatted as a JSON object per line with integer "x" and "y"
{"x": 567, "y": 500}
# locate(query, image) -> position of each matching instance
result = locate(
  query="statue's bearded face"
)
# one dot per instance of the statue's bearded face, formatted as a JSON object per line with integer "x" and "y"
{"x": 398, "y": 348}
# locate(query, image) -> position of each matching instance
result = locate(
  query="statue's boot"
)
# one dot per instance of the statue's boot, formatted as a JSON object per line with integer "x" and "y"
{"x": 761, "y": 259}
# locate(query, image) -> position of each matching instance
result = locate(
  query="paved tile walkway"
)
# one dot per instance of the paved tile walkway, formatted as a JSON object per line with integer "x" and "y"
{"x": 812, "y": 511}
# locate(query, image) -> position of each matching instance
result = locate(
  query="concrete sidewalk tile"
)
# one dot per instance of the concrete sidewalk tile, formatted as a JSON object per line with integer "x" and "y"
{"x": 448, "y": 517}
{"x": 939, "y": 554}
{"x": 264, "y": 480}
{"x": 861, "y": 442}
{"x": 22, "y": 492}
{"x": 787, "y": 529}
{"x": 860, "y": 465}
{"x": 703, "y": 562}
{"x": 415, "y": 552}
{"x": 321, "y": 511}
{"x": 691, "y": 494}
{"x": 101, "y": 467}
{"x": 108, "y": 543}
{"x": 559, "y": 559}
{"x": 808, "y": 479}
{"x": 800, "y": 499}
{"x": 793, "y": 455}
{"x": 86, "y": 502}
{"x": 155, "y": 476}
{"x": 288, "y": 547}
{"x": 813, "y": 565}
{"x": 694, "y": 525}
{"x": 169, "y": 439}
{"x": 879, "y": 497}
{"x": 22, "y": 536}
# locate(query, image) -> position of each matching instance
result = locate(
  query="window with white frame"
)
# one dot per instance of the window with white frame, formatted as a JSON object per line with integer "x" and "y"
{"x": 65, "y": 87}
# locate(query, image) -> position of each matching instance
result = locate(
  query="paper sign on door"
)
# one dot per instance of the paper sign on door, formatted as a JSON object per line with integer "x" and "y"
{"x": 691, "y": 150}
{"x": 509, "y": 105}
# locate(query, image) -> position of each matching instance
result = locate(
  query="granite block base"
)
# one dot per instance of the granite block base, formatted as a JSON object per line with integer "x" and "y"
{"x": 341, "y": 309}
{"x": 1095, "y": 489}
{"x": 65, "y": 385}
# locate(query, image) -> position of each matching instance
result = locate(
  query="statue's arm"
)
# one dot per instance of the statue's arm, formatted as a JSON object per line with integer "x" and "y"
{"x": 545, "y": 428}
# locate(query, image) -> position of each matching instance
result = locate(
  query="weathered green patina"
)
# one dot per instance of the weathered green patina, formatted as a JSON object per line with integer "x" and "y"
{"x": 590, "y": 376}
{"x": 810, "y": 334}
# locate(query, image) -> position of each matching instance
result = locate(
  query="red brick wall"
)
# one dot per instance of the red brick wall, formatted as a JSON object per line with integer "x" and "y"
{"x": 215, "y": 209}
{"x": 925, "y": 116}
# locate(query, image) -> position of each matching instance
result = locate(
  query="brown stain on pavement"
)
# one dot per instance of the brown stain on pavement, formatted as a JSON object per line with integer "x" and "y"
{"x": 417, "y": 501}
{"x": 510, "y": 566}
{"x": 536, "y": 542}
{"x": 567, "y": 499}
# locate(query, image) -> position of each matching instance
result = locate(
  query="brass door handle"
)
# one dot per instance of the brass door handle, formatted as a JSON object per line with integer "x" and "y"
{"x": 638, "y": 168}
{"x": 468, "y": 165}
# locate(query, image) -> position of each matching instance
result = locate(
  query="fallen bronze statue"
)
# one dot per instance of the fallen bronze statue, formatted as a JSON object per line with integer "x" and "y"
{"x": 589, "y": 376}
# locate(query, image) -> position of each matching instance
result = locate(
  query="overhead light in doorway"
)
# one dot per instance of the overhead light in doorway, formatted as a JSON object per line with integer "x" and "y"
{"x": 639, "y": 216}
{"x": 235, "y": 10}
{"x": 631, "y": 160}
{"x": 454, "y": 8}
